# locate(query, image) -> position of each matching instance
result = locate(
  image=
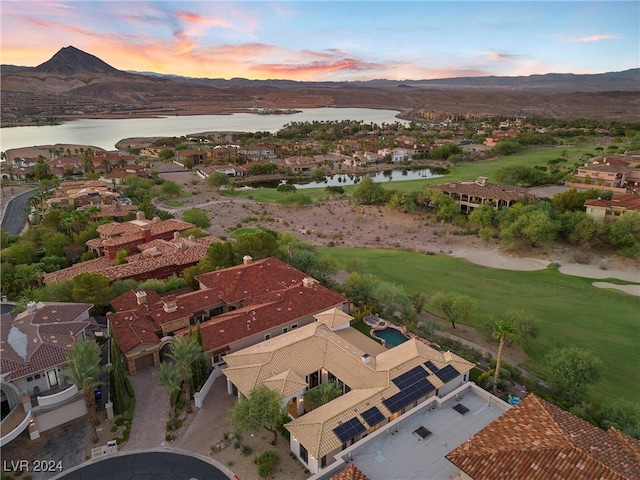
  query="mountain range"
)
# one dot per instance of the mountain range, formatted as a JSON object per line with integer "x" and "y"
{"x": 72, "y": 75}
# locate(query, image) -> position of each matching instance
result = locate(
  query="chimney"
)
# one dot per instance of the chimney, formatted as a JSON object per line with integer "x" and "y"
{"x": 141, "y": 297}
{"x": 32, "y": 307}
{"x": 247, "y": 259}
{"x": 308, "y": 282}
{"x": 169, "y": 304}
{"x": 366, "y": 358}
{"x": 146, "y": 233}
{"x": 482, "y": 181}
{"x": 176, "y": 235}
{"x": 192, "y": 238}
{"x": 140, "y": 215}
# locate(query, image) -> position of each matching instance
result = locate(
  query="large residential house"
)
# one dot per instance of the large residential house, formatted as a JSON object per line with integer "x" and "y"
{"x": 34, "y": 346}
{"x": 258, "y": 152}
{"x": 537, "y": 439}
{"x": 378, "y": 384}
{"x": 129, "y": 235}
{"x": 609, "y": 172}
{"x": 620, "y": 203}
{"x": 158, "y": 259}
{"x": 235, "y": 307}
{"x": 300, "y": 163}
{"x": 83, "y": 193}
{"x": 470, "y": 195}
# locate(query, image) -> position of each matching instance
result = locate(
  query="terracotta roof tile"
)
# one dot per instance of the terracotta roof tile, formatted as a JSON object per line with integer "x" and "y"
{"x": 349, "y": 473}
{"x": 537, "y": 439}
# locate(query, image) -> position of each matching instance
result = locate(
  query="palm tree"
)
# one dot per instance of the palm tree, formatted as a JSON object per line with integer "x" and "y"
{"x": 502, "y": 331}
{"x": 186, "y": 351}
{"x": 169, "y": 377}
{"x": 83, "y": 369}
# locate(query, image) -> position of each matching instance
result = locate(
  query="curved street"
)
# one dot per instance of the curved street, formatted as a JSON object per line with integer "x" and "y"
{"x": 13, "y": 216}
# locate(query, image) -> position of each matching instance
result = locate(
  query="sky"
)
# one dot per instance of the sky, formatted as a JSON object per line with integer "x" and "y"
{"x": 329, "y": 40}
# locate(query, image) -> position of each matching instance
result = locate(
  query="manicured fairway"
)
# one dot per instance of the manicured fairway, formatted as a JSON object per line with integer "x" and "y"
{"x": 570, "y": 309}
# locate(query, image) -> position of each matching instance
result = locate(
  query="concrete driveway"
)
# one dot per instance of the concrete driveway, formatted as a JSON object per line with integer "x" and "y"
{"x": 151, "y": 414}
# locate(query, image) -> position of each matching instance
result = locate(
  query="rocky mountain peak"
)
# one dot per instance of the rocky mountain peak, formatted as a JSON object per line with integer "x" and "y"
{"x": 70, "y": 60}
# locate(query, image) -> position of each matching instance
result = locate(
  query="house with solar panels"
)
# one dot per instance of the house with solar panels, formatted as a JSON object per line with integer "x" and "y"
{"x": 378, "y": 384}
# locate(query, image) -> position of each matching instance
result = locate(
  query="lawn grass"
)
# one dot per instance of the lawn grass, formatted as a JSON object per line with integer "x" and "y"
{"x": 173, "y": 203}
{"x": 570, "y": 310}
{"x": 465, "y": 171}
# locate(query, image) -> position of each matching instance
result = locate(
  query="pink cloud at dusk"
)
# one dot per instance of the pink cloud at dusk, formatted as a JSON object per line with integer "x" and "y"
{"x": 597, "y": 38}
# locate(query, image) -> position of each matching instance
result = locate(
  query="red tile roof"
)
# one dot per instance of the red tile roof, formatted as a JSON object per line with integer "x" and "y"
{"x": 350, "y": 473}
{"x": 241, "y": 282}
{"x": 269, "y": 291}
{"x": 37, "y": 341}
{"x": 538, "y": 440}
{"x": 266, "y": 312}
{"x": 489, "y": 190}
{"x": 626, "y": 201}
{"x": 155, "y": 255}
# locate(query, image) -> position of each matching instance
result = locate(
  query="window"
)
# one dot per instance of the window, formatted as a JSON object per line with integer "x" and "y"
{"x": 29, "y": 379}
{"x": 323, "y": 462}
{"x": 267, "y": 336}
{"x": 294, "y": 326}
{"x": 285, "y": 330}
{"x": 304, "y": 455}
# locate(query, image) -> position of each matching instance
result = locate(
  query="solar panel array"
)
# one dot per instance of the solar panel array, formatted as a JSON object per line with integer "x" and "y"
{"x": 431, "y": 366}
{"x": 373, "y": 416}
{"x": 349, "y": 429}
{"x": 413, "y": 385}
{"x": 447, "y": 373}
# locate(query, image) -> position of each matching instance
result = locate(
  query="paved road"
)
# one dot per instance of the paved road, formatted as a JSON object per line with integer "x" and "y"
{"x": 14, "y": 218}
{"x": 165, "y": 465}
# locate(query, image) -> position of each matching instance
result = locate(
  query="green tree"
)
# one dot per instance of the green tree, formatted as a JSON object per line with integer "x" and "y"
{"x": 258, "y": 245}
{"x": 197, "y": 216}
{"x": 217, "y": 180}
{"x": 368, "y": 192}
{"x": 166, "y": 154}
{"x": 535, "y": 224}
{"x": 320, "y": 395}
{"x": 185, "y": 351}
{"x": 83, "y": 369}
{"x": 170, "y": 188}
{"x": 286, "y": 188}
{"x": 503, "y": 330}
{"x": 121, "y": 257}
{"x": 455, "y": 307}
{"x": 624, "y": 234}
{"x": 359, "y": 288}
{"x": 117, "y": 377}
{"x": 221, "y": 255}
{"x": 571, "y": 372}
{"x": 169, "y": 378}
{"x": 261, "y": 409}
{"x": 90, "y": 287}
{"x": 199, "y": 370}
{"x": 484, "y": 215}
{"x": 21, "y": 253}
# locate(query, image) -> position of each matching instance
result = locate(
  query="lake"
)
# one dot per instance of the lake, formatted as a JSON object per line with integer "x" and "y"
{"x": 105, "y": 133}
{"x": 396, "y": 175}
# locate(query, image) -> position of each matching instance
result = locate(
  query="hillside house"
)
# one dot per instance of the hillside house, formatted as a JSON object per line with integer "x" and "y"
{"x": 129, "y": 235}
{"x": 159, "y": 259}
{"x": 235, "y": 307}
{"x": 472, "y": 194}
{"x": 34, "y": 346}
{"x": 378, "y": 384}
{"x": 609, "y": 172}
{"x": 620, "y": 203}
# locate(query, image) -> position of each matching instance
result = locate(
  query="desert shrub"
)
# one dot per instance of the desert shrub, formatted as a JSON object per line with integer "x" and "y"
{"x": 267, "y": 462}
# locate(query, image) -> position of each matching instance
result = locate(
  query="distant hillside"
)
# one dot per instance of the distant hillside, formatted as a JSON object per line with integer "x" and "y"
{"x": 628, "y": 80}
{"x": 74, "y": 83}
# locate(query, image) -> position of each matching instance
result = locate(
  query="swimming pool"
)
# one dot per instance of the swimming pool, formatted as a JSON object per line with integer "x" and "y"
{"x": 391, "y": 336}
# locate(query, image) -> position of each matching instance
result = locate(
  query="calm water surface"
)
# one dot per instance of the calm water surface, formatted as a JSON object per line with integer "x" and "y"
{"x": 394, "y": 175}
{"x": 106, "y": 133}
